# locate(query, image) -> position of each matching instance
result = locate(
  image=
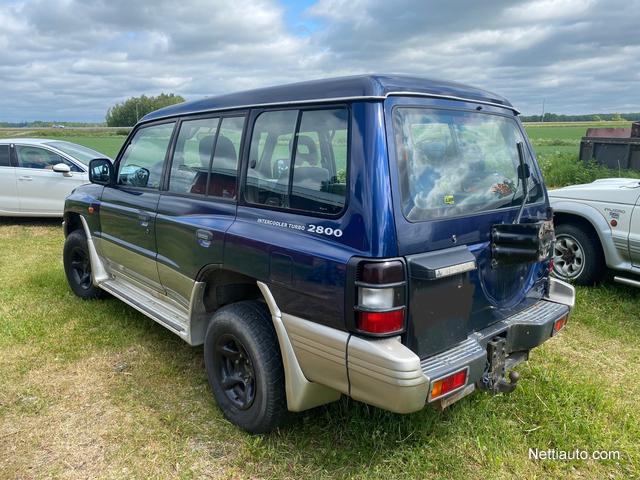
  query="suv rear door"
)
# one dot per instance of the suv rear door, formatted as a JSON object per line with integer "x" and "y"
{"x": 199, "y": 203}
{"x": 457, "y": 175}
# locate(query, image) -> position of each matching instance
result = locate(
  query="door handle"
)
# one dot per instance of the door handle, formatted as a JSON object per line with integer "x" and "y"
{"x": 144, "y": 218}
{"x": 26, "y": 179}
{"x": 205, "y": 237}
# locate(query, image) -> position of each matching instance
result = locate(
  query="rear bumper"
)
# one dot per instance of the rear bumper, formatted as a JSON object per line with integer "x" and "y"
{"x": 321, "y": 362}
{"x": 387, "y": 374}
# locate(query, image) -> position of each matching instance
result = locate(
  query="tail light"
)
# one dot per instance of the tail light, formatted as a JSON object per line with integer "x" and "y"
{"x": 380, "y": 303}
{"x": 448, "y": 384}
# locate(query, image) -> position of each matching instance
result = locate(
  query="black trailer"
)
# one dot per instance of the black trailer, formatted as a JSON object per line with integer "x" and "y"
{"x": 616, "y": 148}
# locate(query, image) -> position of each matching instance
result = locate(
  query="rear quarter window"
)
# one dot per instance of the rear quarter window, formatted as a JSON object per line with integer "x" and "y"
{"x": 298, "y": 160}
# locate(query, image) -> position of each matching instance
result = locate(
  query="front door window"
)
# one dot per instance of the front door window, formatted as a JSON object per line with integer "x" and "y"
{"x": 142, "y": 162}
{"x": 41, "y": 159}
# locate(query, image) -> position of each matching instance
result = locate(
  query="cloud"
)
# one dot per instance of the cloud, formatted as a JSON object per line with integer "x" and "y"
{"x": 579, "y": 55}
{"x": 548, "y": 10}
{"x": 71, "y": 59}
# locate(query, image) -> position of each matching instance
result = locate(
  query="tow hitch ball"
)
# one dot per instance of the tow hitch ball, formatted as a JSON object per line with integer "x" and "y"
{"x": 493, "y": 381}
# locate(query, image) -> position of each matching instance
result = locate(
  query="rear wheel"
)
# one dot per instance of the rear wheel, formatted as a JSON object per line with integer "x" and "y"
{"x": 244, "y": 366}
{"x": 77, "y": 266}
{"x": 578, "y": 255}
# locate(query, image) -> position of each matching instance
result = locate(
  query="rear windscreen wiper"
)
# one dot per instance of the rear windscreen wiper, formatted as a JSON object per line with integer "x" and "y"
{"x": 523, "y": 174}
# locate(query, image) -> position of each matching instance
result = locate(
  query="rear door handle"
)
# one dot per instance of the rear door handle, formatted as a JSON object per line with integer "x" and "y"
{"x": 144, "y": 218}
{"x": 205, "y": 237}
{"x": 26, "y": 179}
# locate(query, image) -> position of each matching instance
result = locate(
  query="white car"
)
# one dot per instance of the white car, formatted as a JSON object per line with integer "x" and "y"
{"x": 37, "y": 175}
{"x": 597, "y": 227}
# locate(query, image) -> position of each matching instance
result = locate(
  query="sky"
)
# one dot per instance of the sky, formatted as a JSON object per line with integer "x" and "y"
{"x": 70, "y": 60}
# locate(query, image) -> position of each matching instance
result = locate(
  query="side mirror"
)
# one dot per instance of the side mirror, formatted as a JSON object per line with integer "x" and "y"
{"x": 101, "y": 171}
{"x": 62, "y": 168}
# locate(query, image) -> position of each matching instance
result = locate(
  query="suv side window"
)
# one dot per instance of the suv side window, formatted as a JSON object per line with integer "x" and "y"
{"x": 205, "y": 161}
{"x": 192, "y": 156}
{"x": 224, "y": 167}
{"x": 142, "y": 162}
{"x": 318, "y": 148}
{"x": 269, "y": 157}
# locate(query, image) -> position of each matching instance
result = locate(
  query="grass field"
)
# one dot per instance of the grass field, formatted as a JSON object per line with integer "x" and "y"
{"x": 568, "y": 131}
{"x": 98, "y": 390}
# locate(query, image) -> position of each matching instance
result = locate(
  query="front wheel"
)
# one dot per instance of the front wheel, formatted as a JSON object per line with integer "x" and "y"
{"x": 77, "y": 266}
{"x": 578, "y": 255}
{"x": 244, "y": 367}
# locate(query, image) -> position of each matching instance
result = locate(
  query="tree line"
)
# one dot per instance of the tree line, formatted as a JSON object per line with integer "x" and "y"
{"x": 599, "y": 117}
{"x": 42, "y": 124}
{"x": 127, "y": 113}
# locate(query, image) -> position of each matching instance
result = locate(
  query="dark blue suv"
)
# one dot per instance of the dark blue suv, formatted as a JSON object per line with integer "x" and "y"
{"x": 382, "y": 237}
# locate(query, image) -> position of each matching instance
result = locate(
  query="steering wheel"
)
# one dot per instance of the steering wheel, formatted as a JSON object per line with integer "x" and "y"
{"x": 140, "y": 177}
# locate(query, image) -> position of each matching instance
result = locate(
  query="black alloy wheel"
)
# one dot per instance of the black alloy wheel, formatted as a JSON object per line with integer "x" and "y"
{"x": 77, "y": 266}
{"x": 81, "y": 267}
{"x": 236, "y": 375}
{"x": 245, "y": 368}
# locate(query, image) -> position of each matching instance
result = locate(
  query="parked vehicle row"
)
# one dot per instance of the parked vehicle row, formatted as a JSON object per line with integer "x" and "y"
{"x": 382, "y": 237}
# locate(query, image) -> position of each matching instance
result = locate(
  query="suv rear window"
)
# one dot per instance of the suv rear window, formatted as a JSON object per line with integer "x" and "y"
{"x": 454, "y": 163}
{"x": 315, "y": 143}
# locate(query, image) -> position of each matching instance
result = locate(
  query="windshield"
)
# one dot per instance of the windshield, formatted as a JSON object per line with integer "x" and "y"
{"x": 80, "y": 153}
{"x": 457, "y": 162}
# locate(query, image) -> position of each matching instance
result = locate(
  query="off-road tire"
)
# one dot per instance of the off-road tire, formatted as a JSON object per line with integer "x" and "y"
{"x": 586, "y": 265}
{"x": 77, "y": 266}
{"x": 249, "y": 391}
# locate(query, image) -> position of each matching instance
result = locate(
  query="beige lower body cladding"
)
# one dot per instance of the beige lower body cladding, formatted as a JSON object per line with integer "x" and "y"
{"x": 383, "y": 373}
{"x": 386, "y": 374}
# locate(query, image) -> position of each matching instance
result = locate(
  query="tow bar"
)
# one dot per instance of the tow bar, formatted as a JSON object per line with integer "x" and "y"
{"x": 493, "y": 381}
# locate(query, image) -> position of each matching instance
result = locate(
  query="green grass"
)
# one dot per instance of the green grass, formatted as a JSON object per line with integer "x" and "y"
{"x": 107, "y": 142}
{"x": 110, "y": 146}
{"x": 94, "y": 388}
{"x": 543, "y": 150}
{"x": 562, "y": 169}
{"x": 569, "y": 131}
